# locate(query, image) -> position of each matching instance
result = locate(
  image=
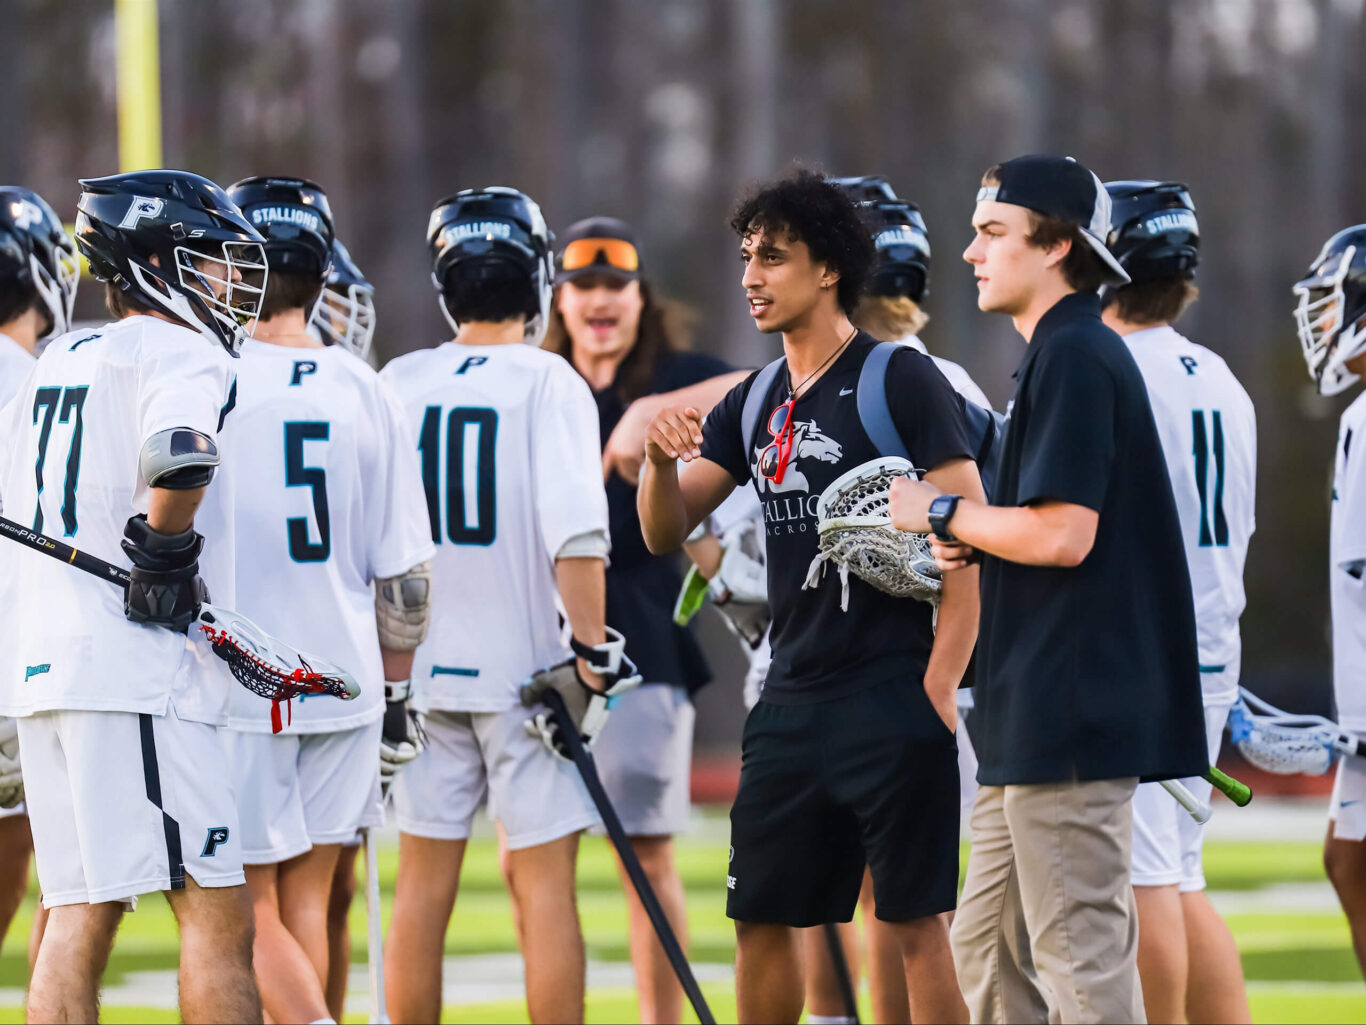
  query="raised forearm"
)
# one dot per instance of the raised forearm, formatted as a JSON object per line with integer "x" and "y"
{"x": 1050, "y": 534}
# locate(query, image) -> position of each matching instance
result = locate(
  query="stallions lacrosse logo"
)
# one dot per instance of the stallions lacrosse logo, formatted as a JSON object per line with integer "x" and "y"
{"x": 808, "y": 442}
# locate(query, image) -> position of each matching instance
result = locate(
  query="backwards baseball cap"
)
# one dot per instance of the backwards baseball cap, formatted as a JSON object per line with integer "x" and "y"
{"x": 1062, "y": 188}
{"x": 598, "y": 245}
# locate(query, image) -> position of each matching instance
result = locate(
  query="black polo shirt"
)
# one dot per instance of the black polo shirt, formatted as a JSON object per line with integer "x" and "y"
{"x": 820, "y": 650}
{"x": 1092, "y": 671}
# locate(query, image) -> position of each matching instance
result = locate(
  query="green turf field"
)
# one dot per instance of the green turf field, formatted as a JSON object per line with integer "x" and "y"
{"x": 1294, "y": 940}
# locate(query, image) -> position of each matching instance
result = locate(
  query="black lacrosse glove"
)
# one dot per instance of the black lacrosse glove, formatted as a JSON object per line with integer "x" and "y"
{"x": 165, "y": 589}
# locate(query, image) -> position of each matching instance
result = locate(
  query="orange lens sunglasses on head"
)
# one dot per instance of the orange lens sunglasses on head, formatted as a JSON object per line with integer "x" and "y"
{"x": 615, "y": 252}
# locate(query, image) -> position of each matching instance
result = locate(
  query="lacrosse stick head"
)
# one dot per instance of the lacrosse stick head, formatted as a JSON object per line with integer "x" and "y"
{"x": 268, "y": 667}
{"x": 1281, "y": 748}
{"x": 854, "y": 531}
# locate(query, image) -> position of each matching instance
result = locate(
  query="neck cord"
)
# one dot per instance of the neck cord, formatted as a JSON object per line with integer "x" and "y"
{"x": 792, "y": 392}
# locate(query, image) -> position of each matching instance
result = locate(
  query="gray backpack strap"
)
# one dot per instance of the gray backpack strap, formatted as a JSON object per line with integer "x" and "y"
{"x": 753, "y": 408}
{"x": 873, "y": 410}
{"x": 985, "y": 428}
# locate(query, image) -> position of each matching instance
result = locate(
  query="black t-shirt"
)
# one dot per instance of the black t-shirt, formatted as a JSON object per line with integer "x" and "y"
{"x": 641, "y": 588}
{"x": 1093, "y": 671}
{"x": 819, "y": 650}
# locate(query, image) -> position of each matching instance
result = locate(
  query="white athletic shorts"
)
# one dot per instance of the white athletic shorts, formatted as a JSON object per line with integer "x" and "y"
{"x": 300, "y": 789}
{"x": 15, "y": 812}
{"x": 122, "y": 804}
{"x": 471, "y": 755}
{"x": 1168, "y": 843}
{"x": 1347, "y": 811}
{"x": 644, "y": 757}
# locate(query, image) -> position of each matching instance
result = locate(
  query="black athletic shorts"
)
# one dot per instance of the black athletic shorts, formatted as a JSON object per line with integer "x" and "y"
{"x": 870, "y": 777}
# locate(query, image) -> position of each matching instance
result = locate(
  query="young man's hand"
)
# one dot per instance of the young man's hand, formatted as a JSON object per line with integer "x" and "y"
{"x": 951, "y": 555}
{"x": 625, "y": 449}
{"x": 909, "y": 506}
{"x": 675, "y": 433}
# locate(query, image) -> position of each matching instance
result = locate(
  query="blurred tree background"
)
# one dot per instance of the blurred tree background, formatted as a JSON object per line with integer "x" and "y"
{"x": 662, "y": 111}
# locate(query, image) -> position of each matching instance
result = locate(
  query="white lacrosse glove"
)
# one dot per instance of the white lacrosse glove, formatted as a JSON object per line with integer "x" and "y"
{"x": 587, "y": 703}
{"x": 11, "y": 780}
{"x": 402, "y": 737}
{"x": 740, "y": 587}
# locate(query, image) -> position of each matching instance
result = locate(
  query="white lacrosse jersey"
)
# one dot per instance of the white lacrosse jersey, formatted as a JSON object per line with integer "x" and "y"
{"x": 1347, "y": 569}
{"x": 511, "y": 461}
{"x": 961, "y": 380}
{"x": 77, "y": 430}
{"x": 331, "y": 500}
{"x": 1209, "y": 436}
{"x": 734, "y": 512}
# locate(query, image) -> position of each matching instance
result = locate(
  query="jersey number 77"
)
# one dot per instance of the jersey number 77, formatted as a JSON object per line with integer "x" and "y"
{"x": 471, "y": 473}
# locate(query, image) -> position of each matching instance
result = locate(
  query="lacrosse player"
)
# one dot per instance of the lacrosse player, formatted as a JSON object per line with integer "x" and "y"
{"x": 334, "y": 550}
{"x": 118, "y": 710}
{"x": 38, "y": 276}
{"x": 1330, "y": 314}
{"x": 1082, "y": 687}
{"x": 509, "y": 447}
{"x": 344, "y": 316}
{"x": 1187, "y": 961}
{"x": 849, "y": 756}
{"x": 625, "y": 340}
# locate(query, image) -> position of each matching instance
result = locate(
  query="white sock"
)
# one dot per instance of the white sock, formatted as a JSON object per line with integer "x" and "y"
{"x": 829, "y": 1019}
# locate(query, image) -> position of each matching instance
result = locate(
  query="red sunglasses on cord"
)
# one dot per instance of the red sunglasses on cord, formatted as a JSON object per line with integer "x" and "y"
{"x": 773, "y": 460}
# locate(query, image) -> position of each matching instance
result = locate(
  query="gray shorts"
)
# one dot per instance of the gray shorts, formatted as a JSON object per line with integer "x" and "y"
{"x": 644, "y": 756}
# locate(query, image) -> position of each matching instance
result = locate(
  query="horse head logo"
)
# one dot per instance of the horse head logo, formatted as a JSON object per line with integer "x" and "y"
{"x": 808, "y": 442}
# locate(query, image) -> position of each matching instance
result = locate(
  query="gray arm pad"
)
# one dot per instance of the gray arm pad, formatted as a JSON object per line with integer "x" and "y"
{"x": 403, "y": 608}
{"x": 591, "y": 544}
{"x": 178, "y": 459}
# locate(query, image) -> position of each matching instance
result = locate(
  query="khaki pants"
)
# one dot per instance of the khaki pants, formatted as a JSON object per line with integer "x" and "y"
{"x": 1046, "y": 930}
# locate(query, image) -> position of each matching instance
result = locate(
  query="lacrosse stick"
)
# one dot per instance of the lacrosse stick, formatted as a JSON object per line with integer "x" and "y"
{"x": 856, "y": 534}
{"x": 1199, "y": 810}
{"x": 842, "y": 974}
{"x": 583, "y": 761}
{"x": 1284, "y": 742}
{"x": 378, "y": 1010}
{"x": 264, "y": 665}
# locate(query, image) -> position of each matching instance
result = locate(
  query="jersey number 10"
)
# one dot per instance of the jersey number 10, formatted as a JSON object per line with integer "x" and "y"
{"x": 471, "y": 477}
{"x": 1206, "y": 447}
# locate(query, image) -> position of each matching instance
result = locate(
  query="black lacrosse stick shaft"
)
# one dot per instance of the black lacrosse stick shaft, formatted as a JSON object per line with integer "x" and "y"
{"x": 64, "y": 553}
{"x": 583, "y": 761}
{"x": 842, "y": 974}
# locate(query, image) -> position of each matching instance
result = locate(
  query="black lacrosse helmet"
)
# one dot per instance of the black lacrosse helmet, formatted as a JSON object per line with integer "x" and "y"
{"x": 37, "y": 256}
{"x": 902, "y": 265}
{"x": 210, "y": 272}
{"x": 867, "y": 188}
{"x": 496, "y": 234}
{"x": 1330, "y": 310}
{"x": 345, "y": 313}
{"x": 1153, "y": 231}
{"x": 294, "y": 216}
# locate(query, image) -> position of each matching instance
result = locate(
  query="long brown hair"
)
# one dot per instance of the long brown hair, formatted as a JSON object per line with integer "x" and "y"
{"x": 665, "y": 326}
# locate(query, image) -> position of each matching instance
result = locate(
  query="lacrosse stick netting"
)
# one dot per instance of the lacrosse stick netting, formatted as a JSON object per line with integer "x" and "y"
{"x": 855, "y": 533}
{"x": 1283, "y": 742}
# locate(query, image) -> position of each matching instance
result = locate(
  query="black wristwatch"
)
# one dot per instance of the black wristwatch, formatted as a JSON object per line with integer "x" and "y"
{"x": 941, "y": 511}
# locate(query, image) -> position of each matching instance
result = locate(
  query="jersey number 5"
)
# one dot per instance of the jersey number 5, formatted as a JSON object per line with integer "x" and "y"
{"x": 471, "y": 479}
{"x": 46, "y": 403}
{"x": 301, "y": 549}
{"x": 1206, "y": 447}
